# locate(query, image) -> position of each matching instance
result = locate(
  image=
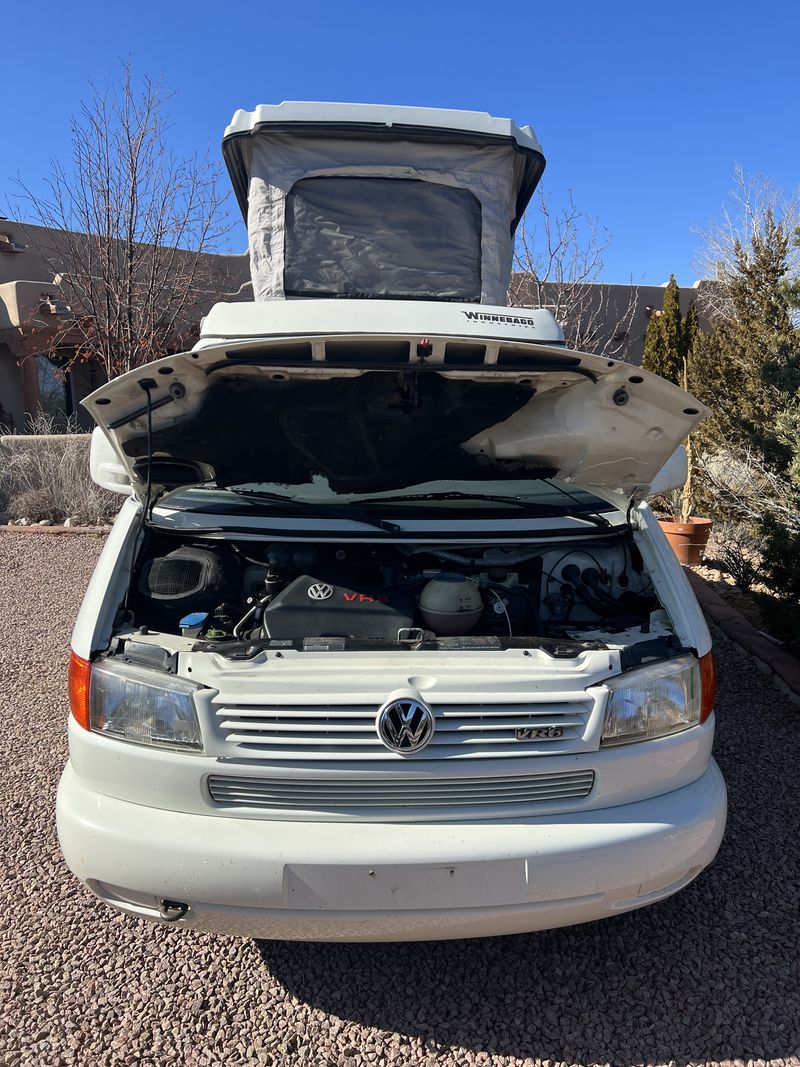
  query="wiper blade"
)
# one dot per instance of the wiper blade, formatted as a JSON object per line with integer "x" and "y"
{"x": 455, "y": 494}
{"x": 343, "y": 512}
{"x": 527, "y": 505}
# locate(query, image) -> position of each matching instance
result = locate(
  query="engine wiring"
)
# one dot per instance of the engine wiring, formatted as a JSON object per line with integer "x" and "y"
{"x": 551, "y": 575}
{"x": 502, "y": 604}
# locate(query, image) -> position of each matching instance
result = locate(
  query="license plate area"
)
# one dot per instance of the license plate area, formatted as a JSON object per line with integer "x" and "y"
{"x": 405, "y": 886}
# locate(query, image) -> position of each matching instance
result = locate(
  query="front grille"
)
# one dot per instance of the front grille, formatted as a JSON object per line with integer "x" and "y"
{"x": 463, "y": 731}
{"x": 343, "y": 796}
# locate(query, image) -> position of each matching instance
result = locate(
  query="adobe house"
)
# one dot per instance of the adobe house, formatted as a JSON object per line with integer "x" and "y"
{"x": 26, "y": 293}
{"x": 33, "y": 378}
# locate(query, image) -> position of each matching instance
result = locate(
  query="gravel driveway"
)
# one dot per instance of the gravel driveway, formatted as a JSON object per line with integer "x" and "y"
{"x": 707, "y": 976}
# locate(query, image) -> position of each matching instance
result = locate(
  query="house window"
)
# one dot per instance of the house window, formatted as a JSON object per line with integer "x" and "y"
{"x": 55, "y": 395}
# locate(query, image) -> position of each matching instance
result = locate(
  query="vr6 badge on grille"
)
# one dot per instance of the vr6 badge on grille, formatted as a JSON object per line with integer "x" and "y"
{"x": 536, "y": 733}
{"x": 405, "y": 725}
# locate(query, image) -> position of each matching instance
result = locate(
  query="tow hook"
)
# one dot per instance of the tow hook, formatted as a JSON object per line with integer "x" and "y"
{"x": 172, "y": 910}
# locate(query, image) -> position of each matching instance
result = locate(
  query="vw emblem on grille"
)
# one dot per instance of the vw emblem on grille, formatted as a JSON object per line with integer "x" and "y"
{"x": 320, "y": 591}
{"x": 405, "y": 725}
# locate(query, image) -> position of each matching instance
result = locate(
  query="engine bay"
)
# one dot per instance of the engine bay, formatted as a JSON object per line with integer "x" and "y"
{"x": 315, "y": 595}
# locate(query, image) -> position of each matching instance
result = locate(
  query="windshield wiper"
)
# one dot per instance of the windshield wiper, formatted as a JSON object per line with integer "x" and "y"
{"x": 527, "y": 505}
{"x": 589, "y": 512}
{"x": 343, "y": 512}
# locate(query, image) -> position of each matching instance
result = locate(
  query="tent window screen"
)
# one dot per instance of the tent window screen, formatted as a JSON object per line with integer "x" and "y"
{"x": 382, "y": 237}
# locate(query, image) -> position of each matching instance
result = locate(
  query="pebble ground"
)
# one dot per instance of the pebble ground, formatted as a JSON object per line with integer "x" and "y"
{"x": 710, "y": 976}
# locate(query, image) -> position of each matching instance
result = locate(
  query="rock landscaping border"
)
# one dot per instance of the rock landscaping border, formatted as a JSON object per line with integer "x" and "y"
{"x": 770, "y": 657}
{"x": 37, "y": 528}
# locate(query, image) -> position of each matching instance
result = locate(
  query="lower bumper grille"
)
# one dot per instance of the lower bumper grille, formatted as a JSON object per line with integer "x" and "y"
{"x": 343, "y": 796}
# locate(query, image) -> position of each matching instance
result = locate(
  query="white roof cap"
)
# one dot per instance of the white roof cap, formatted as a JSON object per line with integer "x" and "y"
{"x": 311, "y": 111}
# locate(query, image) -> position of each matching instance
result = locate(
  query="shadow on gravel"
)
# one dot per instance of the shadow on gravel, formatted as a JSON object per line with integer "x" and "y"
{"x": 710, "y": 974}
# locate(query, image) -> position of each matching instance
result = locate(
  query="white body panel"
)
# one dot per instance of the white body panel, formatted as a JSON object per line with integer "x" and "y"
{"x": 373, "y": 882}
{"x": 415, "y": 318}
{"x": 105, "y": 467}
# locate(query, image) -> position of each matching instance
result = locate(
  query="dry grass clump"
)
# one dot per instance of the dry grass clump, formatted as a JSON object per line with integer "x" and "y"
{"x": 47, "y": 477}
{"x": 739, "y": 553}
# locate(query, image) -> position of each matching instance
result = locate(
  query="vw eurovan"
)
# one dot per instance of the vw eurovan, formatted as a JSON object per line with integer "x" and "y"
{"x": 386, "y": 643}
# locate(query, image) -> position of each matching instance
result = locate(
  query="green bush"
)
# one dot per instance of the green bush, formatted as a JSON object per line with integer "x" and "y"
{"x": 781, "y": 568}
{"x": 780, "y": 553}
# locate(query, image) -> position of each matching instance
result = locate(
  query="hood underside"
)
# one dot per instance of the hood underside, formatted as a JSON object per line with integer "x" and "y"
{"x": 379, "y": 413}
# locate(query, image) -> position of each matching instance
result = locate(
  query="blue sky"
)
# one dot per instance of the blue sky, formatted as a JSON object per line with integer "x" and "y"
{"x": 643, "y": 109}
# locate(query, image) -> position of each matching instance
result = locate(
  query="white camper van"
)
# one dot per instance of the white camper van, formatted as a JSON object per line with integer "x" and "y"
{"x": 386, "y": 643}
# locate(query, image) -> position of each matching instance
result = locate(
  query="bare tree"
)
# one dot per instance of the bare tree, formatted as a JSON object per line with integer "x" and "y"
{"x": 129, "y": 225}
{"x": 753, "y": 199}
{"x": 745, "y": 487}
{"x": 558, "y": 262}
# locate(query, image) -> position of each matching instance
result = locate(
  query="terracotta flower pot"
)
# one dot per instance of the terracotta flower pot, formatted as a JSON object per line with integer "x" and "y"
{"x": 688, "y": 539}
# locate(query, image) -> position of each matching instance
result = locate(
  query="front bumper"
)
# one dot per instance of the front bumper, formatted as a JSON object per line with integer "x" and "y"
{"x": 392, "y": 882}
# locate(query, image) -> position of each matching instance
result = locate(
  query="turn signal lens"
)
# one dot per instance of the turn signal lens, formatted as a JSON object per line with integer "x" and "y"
{"x": 78, "y": 676}
{"x": 708, "y": 685}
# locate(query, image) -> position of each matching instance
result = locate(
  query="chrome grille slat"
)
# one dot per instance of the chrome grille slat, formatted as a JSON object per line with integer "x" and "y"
{"x": 338, "y": 711}
{"x": 443, "y": 726}
{"x": 256, "y": 799}
{"x": 442, "y": 742}
{"x": 341, "y": 794}
{"x": 289, "y": 732}
{"x": 445, "y": 753}
{"x": 290, "y": 804}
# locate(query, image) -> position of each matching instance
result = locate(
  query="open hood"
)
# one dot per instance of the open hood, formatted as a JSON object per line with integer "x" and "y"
{"x": 376, "y": 412}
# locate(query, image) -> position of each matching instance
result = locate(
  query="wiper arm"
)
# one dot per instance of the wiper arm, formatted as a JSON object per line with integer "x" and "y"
{"x": 343, "y": 512}
{"x": 589, "y": 513}
{"x": 527, "y": 505}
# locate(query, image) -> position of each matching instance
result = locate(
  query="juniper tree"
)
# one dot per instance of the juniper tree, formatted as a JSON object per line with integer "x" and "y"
{"x": 691, "y": 338}
{"x": 747, "y": 369}
{"x": 664, "y": 342}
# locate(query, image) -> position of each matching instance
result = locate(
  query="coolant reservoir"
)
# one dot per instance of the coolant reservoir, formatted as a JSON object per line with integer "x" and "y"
{"x": 450, "y": 604}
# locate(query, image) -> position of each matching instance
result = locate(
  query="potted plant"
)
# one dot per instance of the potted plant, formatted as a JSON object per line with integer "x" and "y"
{"x": 687, "y": 533}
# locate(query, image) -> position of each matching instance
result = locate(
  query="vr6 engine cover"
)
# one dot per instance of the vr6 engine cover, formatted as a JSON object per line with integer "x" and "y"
{"x": 309, "y": 607}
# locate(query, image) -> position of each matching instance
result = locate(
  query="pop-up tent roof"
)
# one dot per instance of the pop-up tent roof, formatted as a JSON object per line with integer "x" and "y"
{"x": 365, "y": 200}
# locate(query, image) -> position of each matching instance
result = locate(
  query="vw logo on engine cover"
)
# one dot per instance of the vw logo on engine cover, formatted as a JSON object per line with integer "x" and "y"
{"x": 405, "y": 725}
{"x": 320, "y": 591}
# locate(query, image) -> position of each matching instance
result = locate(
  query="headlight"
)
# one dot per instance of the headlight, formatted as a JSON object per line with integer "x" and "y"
{"x": 655, "y": 701}
{"x": 134, "y": 704}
